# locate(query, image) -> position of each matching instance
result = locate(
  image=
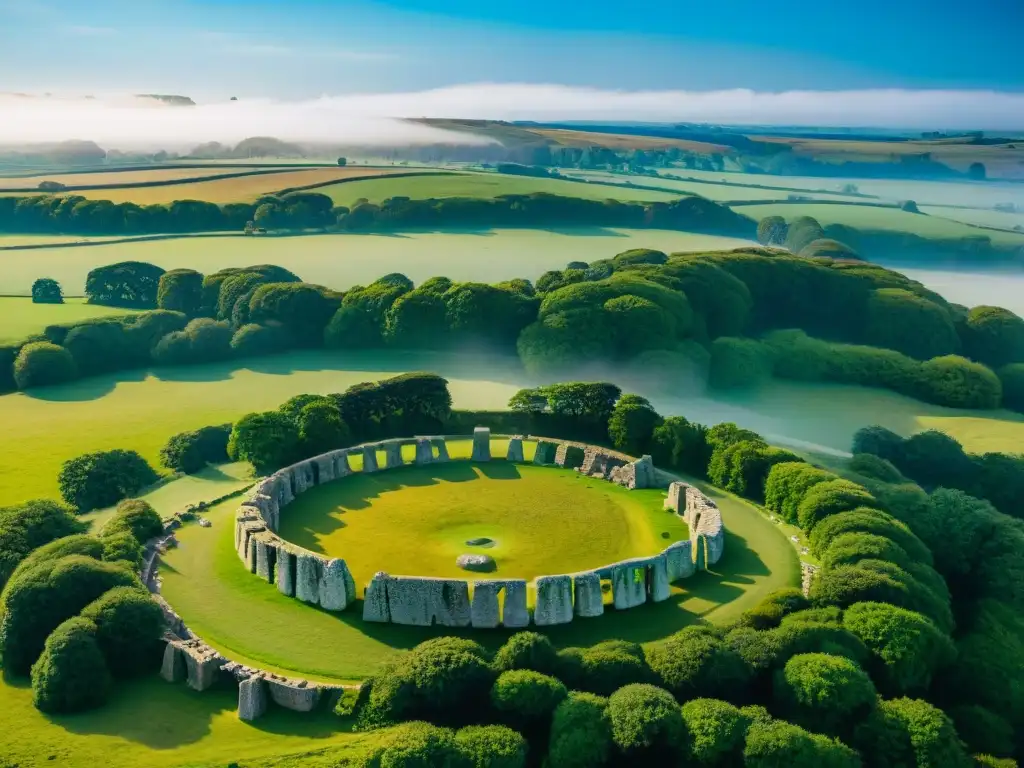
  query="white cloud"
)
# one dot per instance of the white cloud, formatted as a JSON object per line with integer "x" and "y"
{"x": 370, "y": 118}
{"x": 81, "y": 30}
{"x": 243, "y": 45}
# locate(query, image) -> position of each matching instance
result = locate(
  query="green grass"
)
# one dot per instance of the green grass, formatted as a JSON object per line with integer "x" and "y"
{"x": 340, "y": 261}
{"x": 873, "y": 217}
{"x": 20, "y": 318}
{"x": 249, "y": 620}
{"x": 152, "y": 724}
{"x": 479, "y": 185}
{"x": 721, "y": 193}
{"x": 415, "y": 521}
{"x": 981, "y": 216}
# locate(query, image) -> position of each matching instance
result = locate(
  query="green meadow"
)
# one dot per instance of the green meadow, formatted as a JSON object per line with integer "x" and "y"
{"x": 20, "y": 318}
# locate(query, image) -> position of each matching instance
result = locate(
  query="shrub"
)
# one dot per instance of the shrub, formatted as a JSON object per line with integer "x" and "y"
{"x": 994, "y": 336}
{"x": 606, "y": 667}
{"x": 180, "y": 290}
{"x": 647, "y": 725}
{"x": 849, "y": 584}
{"x": 28, "y": 526}
{"x": 129, "y": 624}
{"x": 850, "y": 548}
{"x": 267, "y": 440}
{"x": 876, "y": 468}
{"x": 76, "y": 544}
{"x": 827, "y": 693}
{"x": 46, "y": 290}
{"x": 771, "y": 230}
{"x": 632, "y": 424}
{"x": 70, "y": 674}
{"x": 527, "y": 650}
{"x": 203, "y": 340}
{"x": 125, "y": 284}
{"x": 743, "y": 467}
{"x": 253, "y": 340}
{"x": 910, "y": 732}
{"x": 639, "y": 256}
{"x": 796, "y": 637}
{"x": 717, "y": 731}
{"x": 959, "y": 383}
{"x": 695, "y": 662}
{"x": 122, "y": 548}
{"x": 801, "y": 232}
{"x": 774, "y": 743}
{"x": 189, "y": 452}
{"x": 137, "y": 517}
{"x": 901, "y": 320}
{"x": 788, "y": 483}
{"x": 321, "y": 428}
{"x": 831, "y": 498}
{"x": 103, "y": 478}
{"x": 35, "y": 603}
{"x": 770, "y": 611}
{"x": 682, "y": 445}
{"x": 824, "y": 248}
{"x": 738, "y": 363}
{"x": 932, "y": 458}
{"x": 41, "y": 363}
{"x": 525, "y": 700}
{"x": 491, "y": 746}
{"x": 983, "y": 730}
{"x": 907, "y": 648}
{"x": 417, "y": 745}
{"x": 867, "y": 520}
{"x": 580, "y": 732}
{"x": 879, "y": 441}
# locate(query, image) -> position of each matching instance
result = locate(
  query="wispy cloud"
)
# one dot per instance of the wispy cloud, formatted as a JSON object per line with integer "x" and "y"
{"x": 84, "y": 30}
{"x": 244, "y": 45}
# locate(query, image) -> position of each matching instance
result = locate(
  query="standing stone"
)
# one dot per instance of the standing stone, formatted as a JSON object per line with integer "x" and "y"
{"x": 250, "y": 553}
{"x": 589, "y": 602}
{"x": 201, "y": 666}
{"x": 341, "y": 465}
{"x": 286, "y": 567}
{"x": 296, "y": 695}
{"x": 560, "y": 453}
{"x": 515, "y": 614}
{"x": 545, "y": 453}
{"x": 392, "y": 454}
{"x": 554, "y": 601}
{"x": 659, "y": 583}
{"x": 424, "y": 451}
{"x": 424, "y": 602}
{"x": 282, "y": 479}
{"x": 350, "y": 586}
{"x": 252, "y": 698}
{"x": 676, "y": 500}
{"x": 333, "y": 591}
{"x": 266, "y": 555}
{"x": 173, "y": 668}
{"x": 369, "y": 458}
{"x": 481, "y": 444}
{"x": 324, "y": 468}
{"x": 486, "y": 613}
{"x": 302, "y": 477}
{"x": 629, "y": 585}
{"x": 515, "y": 450}
{"x": 307, "y": 577}
{"x": 701, "y": 552}
{"x": 679, "y": 559}
{"x": 375, "y": 599}
{"x": 442, "y": 448}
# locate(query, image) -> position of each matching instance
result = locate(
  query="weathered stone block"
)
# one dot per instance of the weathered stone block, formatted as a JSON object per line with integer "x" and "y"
{"x": 201, "y": 668}
{"x": 285, "y": 568}
{"x": 588, "y": 602}
{"x": 392, "y": 454}
{"x": 369, "y": 458}
{"x": 375, "y": 599}
{"x": 515, "y": 450}
{"x": 173, "y": 668}
{"x": 700, "y": 547}
{"x": 658, "y": 581}
{"x": 629, "y": 584}
{"x": 560, "y": 453}
{"x": 424, "y": 602}
{"x": 341, "y": 465}
{"x": 679, "y": 560}
{"x": 545, "y": 453}
{"x": 515, "y": 614}
{"x": 334, "y": 595}
{"x": 296, "y": 695}
{"x": 324, "y": 468}
{"x": 266, "y": 557}
{"x": 252, "y": 698}
{"x": 481, "y": 444}
{"x": 442, "y": 448}
{"x": 307, "y": 577}
{"x": 636, "y": 474}
{"x": 486, "y": 612}
{"x": 424, "y": 451}
{"x": 676, "y": 500}
{"x": 554, "y": 601}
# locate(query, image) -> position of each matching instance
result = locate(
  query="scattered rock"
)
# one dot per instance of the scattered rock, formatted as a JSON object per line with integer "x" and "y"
{"x": 478, "y": 563}
{"x": 204, "y": 523}
{"x": 483, "y": 541}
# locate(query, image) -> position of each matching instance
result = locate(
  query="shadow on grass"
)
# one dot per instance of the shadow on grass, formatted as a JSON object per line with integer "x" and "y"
{"x": 91, "y": 388}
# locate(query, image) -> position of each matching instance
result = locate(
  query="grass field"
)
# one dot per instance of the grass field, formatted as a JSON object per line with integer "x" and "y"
{"x": 479, "y": 185}
{"x": 114, "y": 178}
{"x": 978, "y": 216}
{"x": 571, "y": 138}
{"x": 21, "y": 241}
{"x": 871, "y": 217}
{"x": 416, "y": 520}
{"x": 249, "y": 620}
{"x": 721, "y": 193}
{"x": 151, "y": 724}
{"x": 20, "y": 318}
{"x": 340, "y": 261}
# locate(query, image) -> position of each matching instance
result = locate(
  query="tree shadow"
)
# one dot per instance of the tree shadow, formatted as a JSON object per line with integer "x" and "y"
{"x": 582, "y": 231}
{"x": 91, "y": 388}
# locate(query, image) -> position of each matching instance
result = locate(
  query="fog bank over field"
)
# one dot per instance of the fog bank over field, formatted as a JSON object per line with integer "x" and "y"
{"x": 373, "y": 119}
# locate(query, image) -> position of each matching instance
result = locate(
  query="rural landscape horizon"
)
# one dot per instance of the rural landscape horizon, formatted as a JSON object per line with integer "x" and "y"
{"x": 442, "y": 384}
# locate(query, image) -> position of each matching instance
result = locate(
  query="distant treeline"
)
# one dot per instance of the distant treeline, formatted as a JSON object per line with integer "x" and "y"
{"x": 725, "y": 320}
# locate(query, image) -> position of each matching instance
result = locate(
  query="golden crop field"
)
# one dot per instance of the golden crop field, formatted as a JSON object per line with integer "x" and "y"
{"x": 624, "y": 141}
{"x": 116, "y": 178}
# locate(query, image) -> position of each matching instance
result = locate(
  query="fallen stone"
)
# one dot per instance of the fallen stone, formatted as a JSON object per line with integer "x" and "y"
{"x": 369, "y": 458}
{"x": 252, "y": 698}
{"x": 629, "y": 585}
{"x": 588, "y": 602}
{"x": 424, "y": 451}
{"x": 515, "y": 614}
{"x": 659, "y": 582}
{"x": 375, "y": 599}
{"x": 483, "y": 541}
{"x": 285, "y": 571}
{"x": 515, "y": 450}
{"x": 333, "y": 591}
{"x": 486, "y": 613}
{"x": 296, "y": 695}
{"x": 481, "y": 444}
{"x": 478, "y": 563}
{"x": 173, "y": 667}
{"x": 554, "y": 601}
{"x": 307, "y": 577}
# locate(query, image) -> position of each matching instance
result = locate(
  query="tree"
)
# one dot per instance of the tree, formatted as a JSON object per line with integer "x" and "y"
{"x": 994, "y": 336}
{"x": 125, "y": 284}
{"x": 901, "y": 320}
{"x": 491, "y": 746}
{"x": 180, "y": 290}
{"x": 879, "y": 441}
{"x": 824, "y": 692}
{"x": 739, "y": 363}
{"x": 1012, "y": 378}
{"x": 682, "y": 445}
{"x": 802, "y": 231}
{"x": 910, "y": 732}
{"x": 608, "y": 666}
{"x": 416, "y": 321}
{"x": 826, "y": 248}
{"x": 956, "y": 382}
{"x": 303, "y": 310}
{"x": 527, "y": 650}
{"x": 976, "y": 171}
{"x": 203, "y": 340}
{"x": 76, "y": 544}
{"x": 29, "y": 526}
{"x": 342, "y": 161}
{"x": 526, "y": 700}
{"x": 321, "y": 428}
{"x": 775, "y": 743}
{"x": 70, "y": 675}
{"x": 868, "y": 521}
{"x": 41, "y": 363}
{"x": 774, "y": 607}
{"x": 717, "y": 732}
{"x": 189, "y": 452}
{"x": 129, "y": 624}
{"x": 695, "y": 662}
{"x": 359, "y": 322}
{"x": 632, "y": 424}
{"x": 136, "y": 517}
{"x": 647, "y": 725}
{"x": 268, "y": 440}
{"x": 580, "y": 732}
{"x": 787, "y": 485}
{"x": 46, "y": 290}
{"x": 771, "y": 230}
{"x": 417, "y": 745}
{"x": 830, "y": 498}
{"x": 103, "y": 478}
{"x": 932, "y": 458}
{"x": 253, "y": 340}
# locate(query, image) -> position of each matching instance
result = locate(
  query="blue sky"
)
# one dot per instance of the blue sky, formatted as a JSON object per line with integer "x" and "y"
{"x": 305, "y": 48}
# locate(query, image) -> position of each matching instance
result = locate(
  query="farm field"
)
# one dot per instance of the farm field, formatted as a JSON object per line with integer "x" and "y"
{"x": 115, "y": 178}
{"x": 250, "y": 621}
{"x": 978, "y": 216}
{"x": 873, "y": 217}
{"x": 483, "y": 185}
{"x": 20, "y": 318}
{"x": 151, "y": 723}
{"x": 570, "y": 138}
{"x": 340, "y": 261}
{"x": 25, "y": 241}
{"x": 416, "y": 520}
{"x": 721, "y": 193}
